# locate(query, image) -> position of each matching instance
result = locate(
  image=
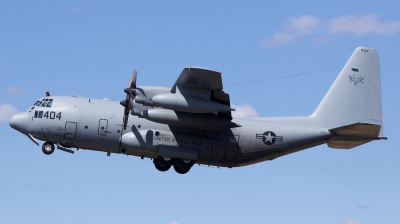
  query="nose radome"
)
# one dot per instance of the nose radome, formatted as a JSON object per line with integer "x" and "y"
{"x": 20, "y": 122}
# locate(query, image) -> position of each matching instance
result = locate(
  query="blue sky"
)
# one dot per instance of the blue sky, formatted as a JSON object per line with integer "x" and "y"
{"x": 92, "y": 47}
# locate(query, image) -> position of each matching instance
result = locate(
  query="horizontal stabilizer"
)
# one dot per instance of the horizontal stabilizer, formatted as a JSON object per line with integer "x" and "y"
{"x": 353, "y": 135}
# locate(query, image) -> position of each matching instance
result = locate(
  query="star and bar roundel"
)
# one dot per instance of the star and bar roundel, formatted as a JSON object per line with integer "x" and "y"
{"x": 269, "y": 137}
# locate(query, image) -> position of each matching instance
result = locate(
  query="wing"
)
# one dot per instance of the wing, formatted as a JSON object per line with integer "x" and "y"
{"x": 203, "y": 83}
{"x": 196, "y": 100}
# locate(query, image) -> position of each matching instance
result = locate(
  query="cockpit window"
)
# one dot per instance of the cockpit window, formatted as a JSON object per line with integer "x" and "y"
{"x": 44, "y": 103}
{"x": 50, "y": 103}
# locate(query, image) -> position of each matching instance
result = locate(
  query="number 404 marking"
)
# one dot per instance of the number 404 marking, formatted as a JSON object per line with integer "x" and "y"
{"x": 52, "y": 115}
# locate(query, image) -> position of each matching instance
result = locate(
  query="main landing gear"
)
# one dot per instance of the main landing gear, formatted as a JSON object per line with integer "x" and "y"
{"x": 48, "y": 148}
{"x": 181, "y": 166}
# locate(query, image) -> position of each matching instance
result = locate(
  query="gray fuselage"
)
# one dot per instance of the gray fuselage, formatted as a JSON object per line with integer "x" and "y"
{"x": 98, "y": 125}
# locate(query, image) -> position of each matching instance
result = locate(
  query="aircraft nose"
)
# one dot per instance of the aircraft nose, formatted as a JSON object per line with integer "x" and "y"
{"x": 20, "y": 122}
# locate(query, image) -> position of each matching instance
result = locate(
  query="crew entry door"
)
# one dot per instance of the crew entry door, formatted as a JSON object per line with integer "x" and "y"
{"x": 103, "y": 125}
{"x": 70, "y": 130}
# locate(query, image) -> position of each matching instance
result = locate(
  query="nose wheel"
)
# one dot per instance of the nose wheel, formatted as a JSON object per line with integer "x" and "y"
{"x": 48, "y": 148}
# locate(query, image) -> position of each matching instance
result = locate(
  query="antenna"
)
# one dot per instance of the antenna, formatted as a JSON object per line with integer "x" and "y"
{"x": 47, "y": 94}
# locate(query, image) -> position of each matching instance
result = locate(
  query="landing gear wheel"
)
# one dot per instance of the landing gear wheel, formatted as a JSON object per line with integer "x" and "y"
{"x": 48, "y": 148}
{"x": 186, "y": 163}
{"x": 181, "y": 170}
{"x": 160, "y": 167}
{"x": 166, "y": 161}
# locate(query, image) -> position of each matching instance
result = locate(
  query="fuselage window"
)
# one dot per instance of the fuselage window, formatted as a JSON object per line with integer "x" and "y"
{"x": 43, "y": 104}
{"x": 40, "y": 114}
{"x": 37, "y": 103}
{"x": 36, "y": 113}
{"x": 50, "y": 103}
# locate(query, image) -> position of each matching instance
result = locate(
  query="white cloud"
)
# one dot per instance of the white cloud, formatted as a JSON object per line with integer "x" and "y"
{"x": 15, "y": 90}
{"x": 304, "y": 24}
{"x": 6, "y": 110}
{"x": 296, "y": 27}
{"x": 362, "y": 25}
{"x": 278, "y": 38}
{"x": 351, "y": 221}
{"x": 244, "y": 111}
{"x": 309, "y": 25}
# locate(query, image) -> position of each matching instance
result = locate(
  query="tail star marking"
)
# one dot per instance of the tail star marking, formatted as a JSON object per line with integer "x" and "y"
{"x": 269, "y": 137}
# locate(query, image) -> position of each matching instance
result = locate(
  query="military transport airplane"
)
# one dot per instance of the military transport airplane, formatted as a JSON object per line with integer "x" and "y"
{"x": 192, "y": 121}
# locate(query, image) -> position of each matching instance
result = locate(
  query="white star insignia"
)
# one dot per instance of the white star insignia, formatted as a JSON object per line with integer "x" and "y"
{"x": 269, "y": 137}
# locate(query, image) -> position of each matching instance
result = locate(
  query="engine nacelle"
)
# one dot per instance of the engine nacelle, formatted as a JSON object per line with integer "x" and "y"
{"x": 189, "y": 104}
{"x": 176, "y": 118}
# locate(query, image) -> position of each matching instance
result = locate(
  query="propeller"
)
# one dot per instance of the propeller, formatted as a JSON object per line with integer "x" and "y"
{"x": 130, "y": 97}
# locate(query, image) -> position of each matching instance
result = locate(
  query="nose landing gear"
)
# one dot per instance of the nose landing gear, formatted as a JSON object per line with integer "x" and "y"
{"x": 48, "y": 148}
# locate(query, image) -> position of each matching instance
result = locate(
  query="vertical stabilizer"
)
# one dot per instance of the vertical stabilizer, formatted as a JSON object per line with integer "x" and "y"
{"x": 355, "y": 96}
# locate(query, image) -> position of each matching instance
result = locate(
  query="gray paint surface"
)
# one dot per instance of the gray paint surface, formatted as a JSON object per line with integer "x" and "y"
{"x": 349, "y": 115}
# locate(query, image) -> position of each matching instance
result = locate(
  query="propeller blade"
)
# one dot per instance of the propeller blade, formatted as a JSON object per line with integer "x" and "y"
{"x": 126, "y": 111}
{"x": 134, "y": 77}
{"x": 129, "y": 90}
{"x": 131, "y": 102}
{"x": 125, "y": 121}
{"x": 130, "y": 97}
{"x": 123, "y": 103}
{"x": 132, "y": 80}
